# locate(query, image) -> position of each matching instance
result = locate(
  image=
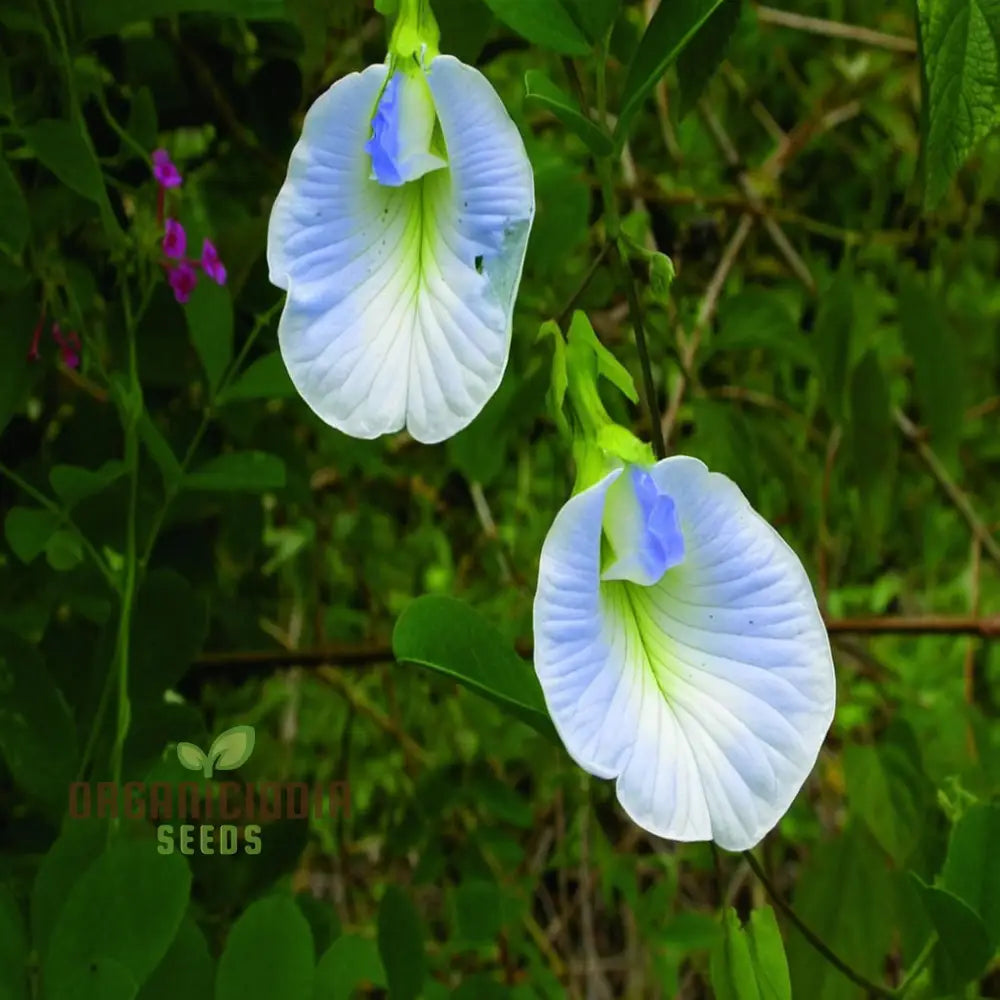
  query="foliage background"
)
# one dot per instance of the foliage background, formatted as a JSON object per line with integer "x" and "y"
{"x": 831, "y": 342}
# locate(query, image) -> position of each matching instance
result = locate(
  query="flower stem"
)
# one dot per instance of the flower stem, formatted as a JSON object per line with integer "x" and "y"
{"x": 648, "y": 389}
{"x": 131, "y": 411}
{"x": 615, "y": 236}
{"x": 871, "y": 989}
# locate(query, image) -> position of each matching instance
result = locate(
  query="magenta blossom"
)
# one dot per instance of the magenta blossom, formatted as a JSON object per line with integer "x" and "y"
{"x": 174, "y": 240}
{"x": 166, "y": 174}
{"x": 69, "y": 346}
{"x": 182, "y": 280}
{"x": 211, "y": 264}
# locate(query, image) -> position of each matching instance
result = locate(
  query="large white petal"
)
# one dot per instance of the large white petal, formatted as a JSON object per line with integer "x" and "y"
{"x": 707, "y": 695}
{"x": 400, "y": 299}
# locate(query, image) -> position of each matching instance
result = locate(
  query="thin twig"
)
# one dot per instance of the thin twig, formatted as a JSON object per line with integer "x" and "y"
{"x": 872, "y": 989}
{"x": 638, "y": 325}
{"x": 941, "y": 474}
{"x": 588, "y": 276}
{"x": 746, "y": 185}
{"x": 709, "y": 303}
{"x": 835, "y": 29}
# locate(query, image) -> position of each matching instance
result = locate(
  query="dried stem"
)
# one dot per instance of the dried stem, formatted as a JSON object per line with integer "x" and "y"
{"x": 835, "y": 29}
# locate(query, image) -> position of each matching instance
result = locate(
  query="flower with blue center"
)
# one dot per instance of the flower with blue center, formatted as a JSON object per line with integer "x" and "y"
{"x": 678, "y": 643}
{"x": 399, "y": 235}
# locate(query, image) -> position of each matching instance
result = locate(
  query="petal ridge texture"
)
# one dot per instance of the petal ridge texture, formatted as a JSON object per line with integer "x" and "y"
{"x": 401, "y": 297}
{"x": 706, "y": 695}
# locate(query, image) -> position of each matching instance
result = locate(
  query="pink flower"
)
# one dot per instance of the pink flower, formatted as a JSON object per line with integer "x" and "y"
{"x": 211, "y": 264}
{"x": 166, "y": 174}
{"x": 69, "y": 346}
{"x": 174, "y": 240}
{"x": 182, "y": 280}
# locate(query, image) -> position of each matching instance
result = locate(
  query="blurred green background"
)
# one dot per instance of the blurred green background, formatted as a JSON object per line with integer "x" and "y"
{"x": 831, "y": 343}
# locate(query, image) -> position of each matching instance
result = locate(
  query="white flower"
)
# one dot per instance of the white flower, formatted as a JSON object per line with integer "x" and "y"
{"x": 681, "y": 652}
{"x": 400, "y": 235}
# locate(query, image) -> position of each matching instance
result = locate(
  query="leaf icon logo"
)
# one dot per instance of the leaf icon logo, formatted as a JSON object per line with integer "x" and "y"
{"x": 229, "y": 751}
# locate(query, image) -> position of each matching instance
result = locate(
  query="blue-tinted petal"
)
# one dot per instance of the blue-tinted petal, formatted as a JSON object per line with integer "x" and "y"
{"x": 708, "y": 694}
{"x": 642, "y": 526}
{"x": 399, "y": 308}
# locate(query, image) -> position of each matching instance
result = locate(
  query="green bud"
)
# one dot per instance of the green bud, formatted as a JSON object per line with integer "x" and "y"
{"x": 415, "y": 28}
{"x": 599, "y": 444}
{"x": 661, "y": 275}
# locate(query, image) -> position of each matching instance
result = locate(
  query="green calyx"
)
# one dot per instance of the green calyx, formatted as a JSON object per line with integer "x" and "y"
{"x": 599, "y": 444}
{"x": 415, "y": 33}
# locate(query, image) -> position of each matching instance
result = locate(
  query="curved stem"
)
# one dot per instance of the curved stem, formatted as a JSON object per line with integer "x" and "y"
{"x": 41, "y": 499}
{"x": 175, "y": 487}
{"x": 918, "y": 965}
{"x": 648, "y": 389}
{"x": 131, "y": 412}
{"x": 872, "y": 989}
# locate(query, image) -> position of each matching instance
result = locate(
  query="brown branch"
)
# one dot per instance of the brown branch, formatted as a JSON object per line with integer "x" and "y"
{"x": 835, "y": 29}
{"x": 360, "y": 655}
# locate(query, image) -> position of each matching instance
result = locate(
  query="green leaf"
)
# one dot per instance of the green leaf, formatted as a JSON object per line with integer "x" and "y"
{"x": 64, "y": 551}
{"x": 28, "y": 530}
{"x": 37, "y": 731}
{"x": 107, "y": 17}
{"x": 451, "y": 638}
{"x": 64, "y": 148}
{"x": 541, "y": 91}
{"x": 731, "y": 965}
{"x": 758, "y": 318}
{"x": 972, "y": 867}
{"x": 963, "y": 947}
{"x": 348, "y": 965}
{"x": 960, "y": 51}
{"x": 238, "y": 472}
{"x": 210, "y": 322}
{"x": 704, "y": 53}
{"x": 670, "y": 29}
{"x": 767, "y": 950}
{"x": 232, "y": 749}
{"x": 125, "y": 908}
{"x": 871, "y": 422}
{"x": 168, "y": 629}
{"x": 887, "y": 788}
{"x": 873, "y": 447}
{"x": 268, "y": 954}
{"x": 401, "y": 945}
{"x": 13, "y": 949}
{"x": 844, "y": 895}
{"x": 934, "y": 346}
{"x": 72, "y": 483}
{"x": 77, "y": 847}
{"x": 191, "y": 756}
{"x": 544, "y": 22}
{"x": 476, "y": 913}
{"x": 186, "y": 971}
{"x": 266, "y": 378}
{"x": 13, "y": 212}
{"x": 159, "y": 449}
{"x": 832, "y": 338}
{"x": 595, "y": 17}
